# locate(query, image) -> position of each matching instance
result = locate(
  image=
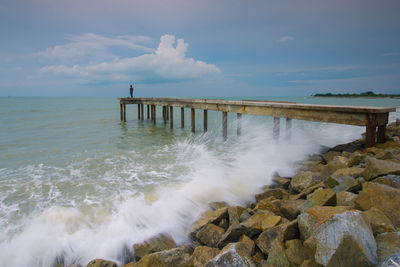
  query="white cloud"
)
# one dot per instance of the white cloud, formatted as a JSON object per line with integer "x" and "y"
{"x": 167, "y": 63}
{"x": 284, "y": 39}
{"x": 93, "y": 46}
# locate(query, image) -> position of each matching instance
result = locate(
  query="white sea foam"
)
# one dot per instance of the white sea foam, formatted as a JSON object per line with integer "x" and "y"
{"x": 79, "y": 218}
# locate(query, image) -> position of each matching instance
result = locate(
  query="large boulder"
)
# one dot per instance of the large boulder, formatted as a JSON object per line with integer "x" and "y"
{"x": 277, "y": 193}
{"x": 295, "y": 251}
{"x": 388, "y": 244}
{"x": 344, "y": 198}
{"x": 167, "y": 258}
{"x": 382, "y": 197}
{"x": 353, "y": 172}
{"x": 277, "y": 256}
{"x": 324, "y": 197}
{"x": 155, "y": 244}
{"x": 378, "y": 221}
{"x": 210, "y": 235}
{"x": 344, "y": 240}
{"x": 290, "y": 208}
{"x": 233, "y": 255}
{"x": 101, "y": 263}
{"x": 202, "y": 254}
{"x": 302, "y": 180}
{"x": 207, "y": 217}
{"x": 390, "y": 180}
{"x": 313, "y": 217}
{"x": 375, "y": 168}
{"x": 281, "y": 233}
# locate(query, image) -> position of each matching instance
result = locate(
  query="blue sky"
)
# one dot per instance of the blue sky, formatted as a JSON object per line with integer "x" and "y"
{"x": 188, "y": 48}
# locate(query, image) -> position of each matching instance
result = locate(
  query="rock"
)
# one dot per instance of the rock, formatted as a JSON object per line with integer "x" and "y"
{"x": 309, "y": 190}
{"x": 282, "y": 181}
{"x": 302, "y": 180}
{"x": 208, "y": 217}
{"x": 324, "y": 197}
{"x": 345, "y": 199}
{"x": 218, "y": 205}
{"x": 314, "y": 217}
{"x": 378, "y": 221}
{"x": 375, "y": 168}
{"x": 234, "y": 214}
{"x": 101, "y": 263}
{"x": 350, "y": 147}
{"x": 328, "y": 156}
{"x": 167, "y": 258}
{"x": 270, "y": 222}
{"x": 391, "y": 261}
{"x": 277, "y": 256}
{"x": 355, "y": 159}
{"x": 202, "y": 254}
{"x": 344, "y": 183}
{"x": 306, "y": 205}
{"x": 253, "y": 225}
{"x": 267, "y": 204}
{"x": 337, "y": 163}
{"x": 232, "y": 234}
{"x": 258, "y": 257}
{"x": 388, "y": 244}
{"x": 382, "y": 197}
{"x": 155, "y": 244}
{"x": 390, "y": 180}
{"x": 210, "y": 235}
{"x": 244, "y": 216}
{"x": 295, "y": 251}
{"x": 290, "y": 208}
{"x": 385, "y": 155}
{"x": 131, "y": 264}
{"x": 344, "y": 240}
{"x": 282, "y": 232}
{"x": 277, "y": 193}
{"x": 310, "y": 263}
{"x": 223, "y": 223}
{"x": 352, "y": 172}
{"x": 233, "y": 255}
{"x": 248, "y": 242}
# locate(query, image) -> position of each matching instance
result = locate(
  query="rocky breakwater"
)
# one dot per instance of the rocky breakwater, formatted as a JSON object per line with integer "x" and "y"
{"x": 342, "y": 208}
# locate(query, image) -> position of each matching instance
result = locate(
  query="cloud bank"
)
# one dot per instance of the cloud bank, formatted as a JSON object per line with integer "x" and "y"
{"x": 166, "y": 64}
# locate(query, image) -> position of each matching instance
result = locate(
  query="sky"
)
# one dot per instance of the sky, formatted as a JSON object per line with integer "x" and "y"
{"x": 207, "y": 48}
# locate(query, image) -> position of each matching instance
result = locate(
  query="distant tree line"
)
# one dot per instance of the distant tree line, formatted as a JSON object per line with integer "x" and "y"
{"x": 363, "y": 94}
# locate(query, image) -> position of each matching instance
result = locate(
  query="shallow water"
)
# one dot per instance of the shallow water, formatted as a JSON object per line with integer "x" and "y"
{"x": 76, "y": 184}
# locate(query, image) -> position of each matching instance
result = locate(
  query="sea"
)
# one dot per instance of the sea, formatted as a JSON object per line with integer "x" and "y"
{"x": 77, "y": 184}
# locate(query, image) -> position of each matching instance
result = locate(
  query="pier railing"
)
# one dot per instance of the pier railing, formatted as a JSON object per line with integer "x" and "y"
{"x": 374, "y": 119}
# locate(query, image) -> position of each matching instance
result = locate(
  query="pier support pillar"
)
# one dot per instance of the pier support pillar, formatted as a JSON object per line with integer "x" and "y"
{"x": 370, "y": 130}
{"x": 124, "y": 112}
{"x": 138, "y": 112}
{"x": 164, "y": 114}
{"x": 288, "y": 128}
{"x": 120, "y": 111}
{"x": 276, "y": 127}
{"x": 171, "y": 117}
{"x": 141, "y": 111}
{"x": 205, "y": 118}
{"x": 193, "y": 119}
{"x": 182, "y": 117}
{"x": 155, "y": 113}
{"x": 239, "y": 124}
{"x": 225, "y": 125}
{"x": 381, "y": 135}
{"x": 148, "y": 112}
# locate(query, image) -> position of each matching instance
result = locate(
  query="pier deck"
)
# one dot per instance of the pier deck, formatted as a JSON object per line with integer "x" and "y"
{"x": 374, "y": 119}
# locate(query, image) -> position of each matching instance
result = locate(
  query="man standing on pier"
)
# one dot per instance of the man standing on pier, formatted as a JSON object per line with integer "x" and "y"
{"x": 131, "y": 90}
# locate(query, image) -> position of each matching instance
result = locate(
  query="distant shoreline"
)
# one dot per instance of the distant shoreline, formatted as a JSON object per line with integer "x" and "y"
{"x": 371, "y": 97}
{"x": 368, "y": 94}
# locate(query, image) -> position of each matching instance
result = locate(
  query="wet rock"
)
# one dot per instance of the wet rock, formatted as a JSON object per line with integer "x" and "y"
{"x": 101, "y": 263}
{"x": 345, "y": 199}
{"x": 382, "y": 197}
{"x": 330, "y": 155}
{"x": 344, "y": 183}
{"x": 309, "y": 190}
{"x": 223, "y": 223}
{"x": 390, "y": 180}
{"x": 277, "y": 256}
{"x": 253, "y": 225}
{"x": 310, "y": 263}
{"x": 167, "y": 258}
{"x": 388, "y": 244}
{"x": 208, "y": 217}
{"x": 210, "y": 235}
{"x": 350, "y": 147}
{"x": 306, "y": 205}
{"x": 267, "y": 204}
{"x": 155, "y": 244}
{"x": 337, "y": 163}
{"x": 281, "y": 233}
{"x": 202, "y": 254}
{"x": 378, "y": 221}
{"x": 290, "y": 208}
{"x": 218, "y": 205}
{"x": 131, "y": 264}
{"x": 282, "y": 181}
{"x": 248, "y": 242}
{"x": 315, "y": 216}
{"x": 355, "y": 159}
{"x": 232, "y": 234}
{"x": 244, "y": 216}
{"x": 352, "y": 172}
{"x": 295, "y": 251}
{"x": 233, "y": 255}
{"x": 375, "y": 168}
{"x": 324, "y": 197}
{"x": 234, "y": 214}
{"x": 302, "y": 180}
{"x": 270, "y": 222}
{"x": 344, "y": 240}
{"x": 277, "y": 193}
